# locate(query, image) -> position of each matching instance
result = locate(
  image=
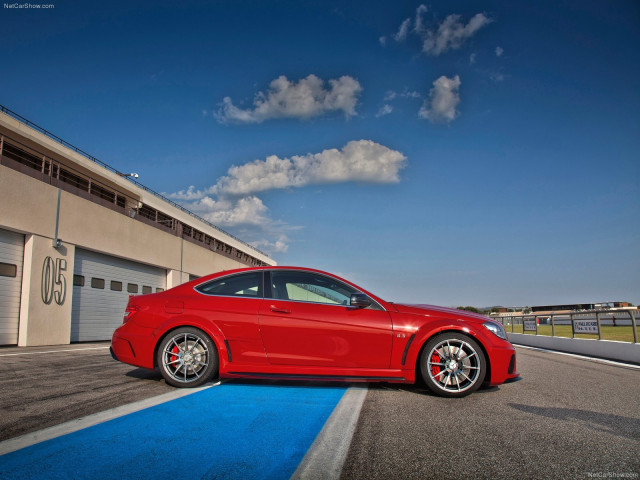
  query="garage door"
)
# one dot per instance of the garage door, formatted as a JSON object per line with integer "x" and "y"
{"x": 101, "y": 288}
{"x": 11, "y": 255}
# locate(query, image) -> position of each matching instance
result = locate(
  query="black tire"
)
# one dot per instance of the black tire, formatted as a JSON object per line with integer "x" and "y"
{"x": 452, "y": 365}
{"x": 187, "y": 357}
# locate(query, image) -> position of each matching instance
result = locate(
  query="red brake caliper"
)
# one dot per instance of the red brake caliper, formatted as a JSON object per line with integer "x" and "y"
{"x": 435, "y": 369}
{"x": 174, "y": 357}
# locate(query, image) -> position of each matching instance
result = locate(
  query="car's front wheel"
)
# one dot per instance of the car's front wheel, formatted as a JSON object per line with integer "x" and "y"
{"x": 187, "y": 357}
{"x": 452, "y": 365}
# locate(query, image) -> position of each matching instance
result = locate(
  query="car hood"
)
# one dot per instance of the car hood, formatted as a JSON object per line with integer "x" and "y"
{"x": 430, "y": 310}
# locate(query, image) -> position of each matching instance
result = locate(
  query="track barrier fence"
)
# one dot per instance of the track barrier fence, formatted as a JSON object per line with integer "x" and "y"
{"x": 618, "y": 325}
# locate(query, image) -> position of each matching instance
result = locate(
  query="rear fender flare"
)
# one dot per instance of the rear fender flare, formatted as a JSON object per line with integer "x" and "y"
{"x": 207, "y": 326}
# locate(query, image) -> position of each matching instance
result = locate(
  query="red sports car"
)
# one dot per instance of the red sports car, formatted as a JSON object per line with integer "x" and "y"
{"x": 299, "y": 323}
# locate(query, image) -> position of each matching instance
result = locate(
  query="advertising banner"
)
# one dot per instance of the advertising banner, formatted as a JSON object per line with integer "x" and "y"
{"x": 585, "y": 326}
{"x": 529, "y": 324}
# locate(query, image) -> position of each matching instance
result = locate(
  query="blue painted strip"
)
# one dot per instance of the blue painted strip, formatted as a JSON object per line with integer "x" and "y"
{"x": 233, "y": 431}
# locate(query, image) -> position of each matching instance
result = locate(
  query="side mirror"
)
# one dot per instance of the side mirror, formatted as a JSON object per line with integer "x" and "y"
{"x": 359, "y": 300}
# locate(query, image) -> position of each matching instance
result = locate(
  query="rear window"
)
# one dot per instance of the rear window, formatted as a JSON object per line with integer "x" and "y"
{"x": 241, "y": 285}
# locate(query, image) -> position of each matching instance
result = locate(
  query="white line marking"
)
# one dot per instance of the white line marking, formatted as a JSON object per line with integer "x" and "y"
{"x": 51, "y": 351}
{"x": 325, "y": 458}
{"x": 582, "y": 357}
{"x": 71, "y": 426}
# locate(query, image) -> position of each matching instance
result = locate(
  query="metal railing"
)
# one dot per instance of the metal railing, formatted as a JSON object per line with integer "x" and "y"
{"x": 23, "y": 120}
{"x": 596, "y": 324}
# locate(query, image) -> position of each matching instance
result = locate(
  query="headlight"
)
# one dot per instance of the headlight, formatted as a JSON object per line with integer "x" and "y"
{"x": 496, "y": 329}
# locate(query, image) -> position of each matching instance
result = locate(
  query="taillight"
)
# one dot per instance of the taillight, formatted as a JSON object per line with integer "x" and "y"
{"x": 129, "y": 312}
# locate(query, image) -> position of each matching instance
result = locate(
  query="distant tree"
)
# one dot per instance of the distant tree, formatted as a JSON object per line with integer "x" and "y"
{"x": 526, "y": 310}
{"x": 470, "y": 309}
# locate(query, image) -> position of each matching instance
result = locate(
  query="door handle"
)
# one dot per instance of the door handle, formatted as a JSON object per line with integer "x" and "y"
{"x": 273, "y": 308}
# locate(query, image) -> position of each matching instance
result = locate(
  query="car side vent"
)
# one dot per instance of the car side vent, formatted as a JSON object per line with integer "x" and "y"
{"x": 512, "y": 364}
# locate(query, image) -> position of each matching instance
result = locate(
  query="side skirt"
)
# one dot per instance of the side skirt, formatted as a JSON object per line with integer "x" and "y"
{"x": 340, "y": 378}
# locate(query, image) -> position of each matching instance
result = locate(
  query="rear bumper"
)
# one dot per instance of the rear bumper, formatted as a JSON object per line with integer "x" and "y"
{"x": 121, "y": 349}
{"x": 132, "y": 348}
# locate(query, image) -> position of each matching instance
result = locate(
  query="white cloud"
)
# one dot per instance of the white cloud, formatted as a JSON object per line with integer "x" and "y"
{"x": 419, "y": 25}
{"x": 496, "y": 77}
{"x": 406, "y": 93}
{"x": 231, "y": 201}
{"x": 248, "y": 218}
{"x": 386, "y": 109}
{"x": 403, "y": 31}
{"x": 443, "y": 99}
{"x": 451, "y": 33}
{"x": 407, "y": 26}
{"x": 391, "y": 96}
{"x": 224, "y": 212}
{"x": 357, "y": 161}
{"x": 410, "y": 94}
{"x": 383, "y": 41}
{"x": 472, "y": 59}
{"x": 286, "y": 99}
{"x": 499, "y": 51}
{"x": 279, "y": 245}
{"x": 190, "y": 194}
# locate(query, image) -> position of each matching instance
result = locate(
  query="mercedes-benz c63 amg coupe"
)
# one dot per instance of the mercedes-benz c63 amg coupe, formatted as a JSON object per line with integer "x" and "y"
{"x": 299, "y": 323}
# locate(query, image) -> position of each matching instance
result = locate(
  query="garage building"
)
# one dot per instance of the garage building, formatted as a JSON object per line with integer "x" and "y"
{"x": 77, "y": 238}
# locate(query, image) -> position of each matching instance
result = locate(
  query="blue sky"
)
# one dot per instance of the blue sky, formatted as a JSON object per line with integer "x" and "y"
{"x": 475, "y": 153}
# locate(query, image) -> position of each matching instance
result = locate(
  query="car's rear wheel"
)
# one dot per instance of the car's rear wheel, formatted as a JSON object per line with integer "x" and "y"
{"x": 187, "y": 357}
{"x": 452, "y": 365}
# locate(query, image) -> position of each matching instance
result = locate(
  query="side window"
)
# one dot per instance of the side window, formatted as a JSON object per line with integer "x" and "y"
{"x": 309, "y": 287}
{"x": 241, "y": 285}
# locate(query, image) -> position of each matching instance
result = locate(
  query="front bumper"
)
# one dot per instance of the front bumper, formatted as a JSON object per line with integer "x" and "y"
{"x": 503, "y": 364}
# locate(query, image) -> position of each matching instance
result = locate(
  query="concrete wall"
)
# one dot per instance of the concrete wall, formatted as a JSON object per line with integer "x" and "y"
{"x": 47, "y": 289}
{"x": 30, "y": 206}
{"x": 612, "y": 350}
{"x": 41, "y": 143}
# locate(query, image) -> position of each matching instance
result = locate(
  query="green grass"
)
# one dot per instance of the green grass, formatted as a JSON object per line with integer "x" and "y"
{"x": 622, "y": 334}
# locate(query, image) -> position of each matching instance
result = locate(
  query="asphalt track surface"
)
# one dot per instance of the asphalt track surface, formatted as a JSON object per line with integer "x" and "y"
{"x": 567, "y": 418}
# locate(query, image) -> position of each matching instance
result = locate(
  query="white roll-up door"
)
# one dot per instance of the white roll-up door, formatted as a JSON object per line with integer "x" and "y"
{"x": 102, "y": 285}
{"x": 11, "y": 255}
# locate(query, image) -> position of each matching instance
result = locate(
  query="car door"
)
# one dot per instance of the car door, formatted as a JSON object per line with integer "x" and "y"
{"x": 232, "y": 303}
{"x": 306, "y": 320}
